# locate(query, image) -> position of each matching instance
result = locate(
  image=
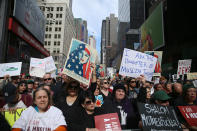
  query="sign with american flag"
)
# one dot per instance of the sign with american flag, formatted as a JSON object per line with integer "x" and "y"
{"x": 79, "y": 60}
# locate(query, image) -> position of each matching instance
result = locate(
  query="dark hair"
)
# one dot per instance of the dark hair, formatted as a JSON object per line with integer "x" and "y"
{"x": 48, "y": 94}
{"x": 86, "y": 94}
{"x": 93, "y": 87}
{"x": 142, "y": 95}
{"x": 70, "y": 84}
{"x": 21, "y": 82}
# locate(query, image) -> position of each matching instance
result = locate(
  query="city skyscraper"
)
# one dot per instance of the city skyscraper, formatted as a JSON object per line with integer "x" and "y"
{"x": 109, "y": 39}
{"x": 81, "y": 29}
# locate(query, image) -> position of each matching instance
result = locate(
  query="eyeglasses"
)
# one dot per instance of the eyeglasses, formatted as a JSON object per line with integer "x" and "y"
{"x": 72, "y": 87}
{"x": 89, "y": 102}
{"x": 132, "y": 81}
{"x": 47, "y": 79}
{"x": 106, "y": 82}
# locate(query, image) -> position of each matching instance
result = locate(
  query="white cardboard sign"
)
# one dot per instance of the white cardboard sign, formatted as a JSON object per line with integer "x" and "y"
{"x": 49, "y": 64}
{"x": 37, "y": 67}
{"x": 135, "y": 63}
{"x": 12, "y": 69}
{"x": 184, "y": 67}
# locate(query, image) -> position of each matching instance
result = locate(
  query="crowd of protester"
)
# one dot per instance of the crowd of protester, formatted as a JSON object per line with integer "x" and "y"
{"x": 65, "y": 104}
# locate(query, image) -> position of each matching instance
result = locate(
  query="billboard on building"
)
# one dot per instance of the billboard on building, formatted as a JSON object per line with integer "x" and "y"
{"x": 152, "y": 33}
{"x": 30, "y": 16}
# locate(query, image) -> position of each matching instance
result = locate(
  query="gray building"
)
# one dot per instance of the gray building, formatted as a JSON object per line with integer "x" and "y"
{"x": 109, "y": 39}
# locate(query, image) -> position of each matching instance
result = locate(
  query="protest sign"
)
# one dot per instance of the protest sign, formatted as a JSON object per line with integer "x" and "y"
{"x": 11, "y": 117}
{"x": 157, "y": 117}
{"x": 100, "y": 71}
{"x": 190, "y": 114}
{"x": 192, "y": 76}
{"x": 37, "y": 67}
{"x": 79, "y": 59}
{"x": 12, "y": 69}
{"x": 158, "y": 55}
{"x": 99, "y": 100}
{"x": 184, "y": 67}
{"x": 110, "y": 72}
{"x": 49, "y": 64}
{"x": 107, "y": 122}
{"x": 135, "y": 63}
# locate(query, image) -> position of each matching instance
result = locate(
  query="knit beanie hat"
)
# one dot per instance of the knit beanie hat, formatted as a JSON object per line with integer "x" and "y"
{"x": 119, "y": 86}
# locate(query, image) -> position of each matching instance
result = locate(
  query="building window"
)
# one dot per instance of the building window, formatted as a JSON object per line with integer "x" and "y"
{"x": 60, "y": 15}
{"x": 54, "y": 43}
{"x": 61, "y": 8}
{"x": 56, "y": 28}
{"x": 58, "y": 51}
{"x": 48, "y": 15}
{"x": 45, "y": 43}
{"x": 51, "y": 15}
{"x": 46, "y": 28}
{"x": 46, "y": 35}
{"x": 58, "y": 8}
{"x": 57, "y": 15}
{"x": 48, "y": 8}
{"x": 51, "y": 8}
{"x": 59, "y": 35}
{"x": 50, "y": 28}
{"x": 60, "y": 22}
{"x": 49, "y": 43}
{"x": 56, "y": 22}
{"x": 49, "y": 35}
{"x": 54, "y": 51}
{"x": 59, "y": 28}
{"x": 58, "y": 43}
{"x": 55, "y": 36}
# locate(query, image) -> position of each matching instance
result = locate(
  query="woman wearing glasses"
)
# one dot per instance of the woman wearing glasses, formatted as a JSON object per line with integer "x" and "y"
{"x": 105, "y": 85}
{"x": 82, "y": 117}
{"x": 69, "y": 98}
{"x": 41, "y": 116}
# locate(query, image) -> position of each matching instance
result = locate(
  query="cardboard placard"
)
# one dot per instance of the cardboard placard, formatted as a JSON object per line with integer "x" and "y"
{"x": 78, "y": 62}
{"x": 107, "y": 122}
{"x": 156, "y": 117}
{"x": 190, "y": 114}
{"x": 12, "y": 69}
{"x": 135, "y": 63}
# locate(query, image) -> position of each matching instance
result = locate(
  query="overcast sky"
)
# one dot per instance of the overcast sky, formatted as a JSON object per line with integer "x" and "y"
{"x": 94, "y": 11}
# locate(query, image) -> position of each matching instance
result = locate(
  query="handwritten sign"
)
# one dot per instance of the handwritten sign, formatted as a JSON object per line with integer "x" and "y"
{"x": 158, "y": 55}
{"x": 12, "y": 69}
{"x": 37, "y": 67}
{"x": 107, "y": 122}
{"x": 190, "y": 114}
{"x": 110, "y": 72}
{"x": 135, "y": 63}
{"x": 49, "y": 64}
{"x": 11, "y": 117}
{"x": 156, "y": 117}
{"x": 184, "y": 67}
